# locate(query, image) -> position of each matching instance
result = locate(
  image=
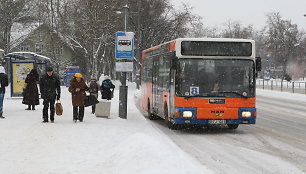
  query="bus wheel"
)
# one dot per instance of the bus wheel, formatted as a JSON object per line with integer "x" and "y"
{"x": 233, "y": 126}
{"x": 150, "y": 115}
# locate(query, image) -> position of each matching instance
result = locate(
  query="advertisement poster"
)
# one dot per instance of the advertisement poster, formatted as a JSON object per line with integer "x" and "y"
{"x": 20, "y": 70}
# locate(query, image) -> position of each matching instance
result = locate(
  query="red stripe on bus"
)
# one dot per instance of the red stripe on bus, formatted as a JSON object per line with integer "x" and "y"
{"x": 172, "y": 46}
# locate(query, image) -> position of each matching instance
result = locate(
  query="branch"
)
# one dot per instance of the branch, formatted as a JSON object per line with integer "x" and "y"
{"x": 79, "y": 45}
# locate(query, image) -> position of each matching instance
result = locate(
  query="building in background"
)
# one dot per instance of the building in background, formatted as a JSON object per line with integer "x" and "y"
{"x": 43, "y": 40}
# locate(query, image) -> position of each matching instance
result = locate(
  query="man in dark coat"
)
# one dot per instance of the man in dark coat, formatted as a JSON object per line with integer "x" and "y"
{"x": 50, "y": 90}
{"x": 107, "y": 88}
{"x": 30, "y": 94}
{"x": 77, "y": 89}
{"x": 3, "y": 84}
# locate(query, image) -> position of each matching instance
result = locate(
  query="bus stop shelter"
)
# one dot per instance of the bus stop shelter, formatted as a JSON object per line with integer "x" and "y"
{"x": 19, "y": 65}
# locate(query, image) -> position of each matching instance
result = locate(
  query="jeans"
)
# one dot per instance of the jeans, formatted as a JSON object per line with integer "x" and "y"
{"x": 1, "y": 102}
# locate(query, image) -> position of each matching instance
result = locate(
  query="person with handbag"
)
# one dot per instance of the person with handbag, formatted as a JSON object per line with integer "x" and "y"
{"x": 93, "y": 90}
{"x": 77, "y": 89}
{"x": 50, "y": 90}
{"x": 30, "y": 93}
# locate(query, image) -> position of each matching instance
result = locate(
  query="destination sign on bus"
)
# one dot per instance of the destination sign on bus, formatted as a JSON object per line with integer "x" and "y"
{"x": 211, "y": 48}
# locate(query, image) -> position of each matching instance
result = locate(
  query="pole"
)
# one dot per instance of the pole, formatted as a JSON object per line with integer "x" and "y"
{"x": 138, "y": 45}
{"x": 123, "y": 88}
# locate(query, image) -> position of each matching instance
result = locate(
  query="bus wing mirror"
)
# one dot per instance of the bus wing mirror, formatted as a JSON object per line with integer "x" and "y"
{"x": 258, "y": 63}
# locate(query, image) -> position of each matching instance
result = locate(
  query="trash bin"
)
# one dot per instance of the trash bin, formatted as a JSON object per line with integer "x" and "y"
{"x": 103, "y": 109}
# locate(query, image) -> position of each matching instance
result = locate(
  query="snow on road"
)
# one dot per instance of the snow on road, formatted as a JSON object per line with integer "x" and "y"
{"x": 275, "y": 144}
{"x": 95, "y": 146}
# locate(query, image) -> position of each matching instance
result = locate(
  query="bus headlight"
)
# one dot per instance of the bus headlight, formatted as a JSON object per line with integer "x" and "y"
{"x": 187, "y": 113}
{"x": 246, "y": 114}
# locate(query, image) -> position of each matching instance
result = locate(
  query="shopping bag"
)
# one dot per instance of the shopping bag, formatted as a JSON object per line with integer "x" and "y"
{"x": 58, "y": 108}
{"x": 90, "y": 100}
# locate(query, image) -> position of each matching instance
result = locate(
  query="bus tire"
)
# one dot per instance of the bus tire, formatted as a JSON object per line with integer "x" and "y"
{"x": 150, "y": 115}
{"x": 169, "y": 124}
{"x": 233, "y": 126}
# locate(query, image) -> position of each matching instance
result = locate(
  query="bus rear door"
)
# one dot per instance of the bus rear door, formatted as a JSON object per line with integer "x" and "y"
{"x": 155, "y": 92}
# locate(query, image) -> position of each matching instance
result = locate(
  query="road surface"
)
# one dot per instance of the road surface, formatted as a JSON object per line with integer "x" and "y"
{"x": 275, "y": 144}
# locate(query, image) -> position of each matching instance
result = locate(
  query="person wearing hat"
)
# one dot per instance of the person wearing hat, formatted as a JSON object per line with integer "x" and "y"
{"x": 50, "y": 90}
{"x": 77, "y": 89}
{"x": 3, "y": 84}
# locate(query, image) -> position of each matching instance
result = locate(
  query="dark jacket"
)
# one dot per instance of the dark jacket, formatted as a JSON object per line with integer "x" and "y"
{"x": 78, "y": 97}
{"x": 106, "y": 87}
{"x": 3, "y": 82}
{"x": 50, "y": 87}
{"x": 30, "y": 93}
{"x": 94, "y": 87}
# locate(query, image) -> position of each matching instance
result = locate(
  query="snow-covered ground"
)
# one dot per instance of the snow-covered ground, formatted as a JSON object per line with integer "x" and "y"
{"x": 281, "y": 95}
{"x": 96, "y": 146}
{"x": 275, "y": 144}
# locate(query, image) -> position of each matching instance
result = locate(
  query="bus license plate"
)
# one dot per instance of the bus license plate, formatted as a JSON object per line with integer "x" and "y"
{"x": 217, "y": 121}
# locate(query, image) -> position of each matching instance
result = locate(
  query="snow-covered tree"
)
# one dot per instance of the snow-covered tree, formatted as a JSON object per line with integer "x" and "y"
{"x": 282, "y": 40}
{"x": 12, "y": 11}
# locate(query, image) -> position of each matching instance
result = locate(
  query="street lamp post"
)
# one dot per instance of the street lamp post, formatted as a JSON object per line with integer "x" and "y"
{"x": 123, "y": 90}
{"x": 305, "y": 65}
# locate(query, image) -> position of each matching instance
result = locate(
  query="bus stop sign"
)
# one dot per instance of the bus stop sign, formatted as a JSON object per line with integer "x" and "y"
{"x": 124, "y": 45}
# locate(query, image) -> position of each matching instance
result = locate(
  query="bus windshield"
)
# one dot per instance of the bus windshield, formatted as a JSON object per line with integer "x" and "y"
{"x": 215, "y": 78}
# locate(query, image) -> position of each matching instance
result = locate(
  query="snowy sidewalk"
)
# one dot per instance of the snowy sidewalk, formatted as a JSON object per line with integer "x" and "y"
{"x": 96, "y": 146}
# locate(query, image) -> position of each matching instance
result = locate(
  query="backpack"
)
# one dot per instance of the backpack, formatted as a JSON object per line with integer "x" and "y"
{"x": 106, "y": 84}
{"x": 93, "y": 88}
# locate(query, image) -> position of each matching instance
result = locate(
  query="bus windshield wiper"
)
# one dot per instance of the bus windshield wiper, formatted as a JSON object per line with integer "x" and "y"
{"x": 187, "y": 97}
{"x": 235, "y": 92}
{"x": 206, "y": 95}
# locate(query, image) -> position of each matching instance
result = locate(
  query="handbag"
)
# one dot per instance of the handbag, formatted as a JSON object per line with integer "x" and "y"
{"x": 58, "y": 108}
{"x": 90, "y": 100}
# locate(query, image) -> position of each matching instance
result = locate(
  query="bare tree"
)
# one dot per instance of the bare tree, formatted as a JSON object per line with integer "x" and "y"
{"x": 198, "y": 29}
{"x": 11, "y": 12}
{"x": 90, "y": 26}
{"x": 282, "y": 40}
{"x": 236, "y": 30}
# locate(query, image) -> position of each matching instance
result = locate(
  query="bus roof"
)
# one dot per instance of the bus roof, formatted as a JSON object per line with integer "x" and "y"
{"x": 215, "y": 39}
{"x": 175, "y": 45}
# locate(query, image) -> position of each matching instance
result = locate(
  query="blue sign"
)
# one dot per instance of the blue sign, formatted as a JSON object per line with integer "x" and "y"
{"x": 194, "y": 90}
{"x": 69, "y": 73}
{"x": 124, "y": 45}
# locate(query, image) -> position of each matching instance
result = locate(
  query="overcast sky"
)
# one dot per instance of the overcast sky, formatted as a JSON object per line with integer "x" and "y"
{"x": 217, "y": 12}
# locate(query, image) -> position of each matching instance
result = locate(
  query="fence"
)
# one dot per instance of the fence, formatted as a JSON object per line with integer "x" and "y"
{"x": 294, "y": 87}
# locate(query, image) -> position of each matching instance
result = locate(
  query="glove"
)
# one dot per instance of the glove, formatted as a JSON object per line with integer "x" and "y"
{"x": 58, "y": 96}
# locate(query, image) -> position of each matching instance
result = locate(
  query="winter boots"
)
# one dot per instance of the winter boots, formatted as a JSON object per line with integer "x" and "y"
{"x": 29, "y": 107}
{"x": 1, "y": 116}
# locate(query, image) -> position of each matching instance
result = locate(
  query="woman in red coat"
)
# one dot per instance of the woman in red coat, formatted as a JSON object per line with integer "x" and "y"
{"x": 77, "y": 88}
